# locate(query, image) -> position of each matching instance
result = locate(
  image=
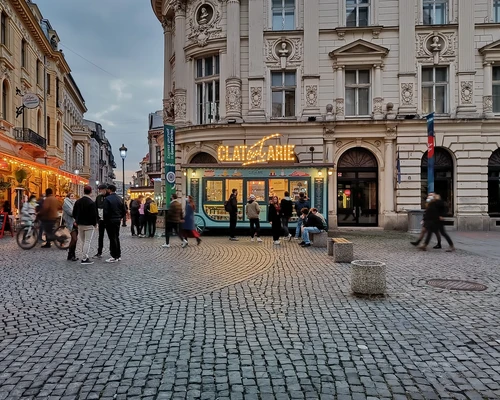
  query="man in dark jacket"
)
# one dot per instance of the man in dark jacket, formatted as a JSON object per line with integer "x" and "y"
{"x": 313, "y": 224}
{"x": 286, "y": 207}
{"x": 113, "y": 213}
{"x": 134, "y": 217}
{"x": 99, "y": 203}
{"x": 233, "y": 214}
{"x": 85, "y": 215}
{"x": 301, "y": 203}
{"x": 173, "y": 220}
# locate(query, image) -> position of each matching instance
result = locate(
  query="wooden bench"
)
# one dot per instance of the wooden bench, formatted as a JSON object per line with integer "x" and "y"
{"x": 341, "y": 249}
{"x": 318, "y": 239}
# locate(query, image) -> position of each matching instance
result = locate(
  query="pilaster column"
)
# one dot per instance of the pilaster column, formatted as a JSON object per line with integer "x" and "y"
{"x": 233, "y": 82}
{"x": 168, "y": 90}
{"x": 488, "y": 91}
{"x": 378, "y": 100}
{"x": 339, "y": 91}
{"x": 180, "y": 63}
{"x": 256, "y": 111}
{"x": 407, "y": 68}
{"x": 329, "y": 137}
{"x": 389, "y": 175}
{"x": 311, "y": 77}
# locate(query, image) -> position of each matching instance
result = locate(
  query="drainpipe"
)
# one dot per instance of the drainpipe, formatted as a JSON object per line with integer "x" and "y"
{"x": 45, "y": 104}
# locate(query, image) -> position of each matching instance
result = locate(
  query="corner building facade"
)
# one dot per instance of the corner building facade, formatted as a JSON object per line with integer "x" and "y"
{"x": 347, "y": 84}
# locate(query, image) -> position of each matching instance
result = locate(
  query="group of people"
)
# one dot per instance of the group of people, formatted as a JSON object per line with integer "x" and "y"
{"x": 433, "y": 223}
{"x": 180, "y": 220}
{"x": 84, "y": 216}
{"x": 143, "y": 216}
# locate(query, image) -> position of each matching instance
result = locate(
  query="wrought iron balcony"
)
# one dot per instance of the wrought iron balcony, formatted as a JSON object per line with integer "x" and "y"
{"x": 26, "y": 135}
{"x": 153, "y": 167}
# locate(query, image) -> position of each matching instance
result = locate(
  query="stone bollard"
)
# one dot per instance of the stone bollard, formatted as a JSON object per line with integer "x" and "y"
{"x": 368, "y": 277}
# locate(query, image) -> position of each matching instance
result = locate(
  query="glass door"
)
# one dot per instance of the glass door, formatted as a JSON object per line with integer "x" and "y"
{"x": 357, "y": 199}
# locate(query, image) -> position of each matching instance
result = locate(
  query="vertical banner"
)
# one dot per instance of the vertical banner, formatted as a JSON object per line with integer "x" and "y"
{"x": 169, "y": 160}
{"x": 430, "y": 153}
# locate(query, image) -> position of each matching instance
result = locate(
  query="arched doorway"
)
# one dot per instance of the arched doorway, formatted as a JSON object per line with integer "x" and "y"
{"x": 357, "y": 188}
{"x": 494, "y": 184}
{"x": 443, "y": 177}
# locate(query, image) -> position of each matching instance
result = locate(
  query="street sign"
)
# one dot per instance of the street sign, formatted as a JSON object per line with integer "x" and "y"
{"x": 31, "y": 100}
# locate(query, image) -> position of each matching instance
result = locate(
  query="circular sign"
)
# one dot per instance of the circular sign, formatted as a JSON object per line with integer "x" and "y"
{"x": 347, "y": 192}
{"x": 31, "y": 100}
{"x": 170, "y": 177}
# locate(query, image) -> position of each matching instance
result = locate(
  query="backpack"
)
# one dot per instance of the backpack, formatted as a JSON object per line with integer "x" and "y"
{"x": 227, "y": 206}
{"x": 153, "y": 208}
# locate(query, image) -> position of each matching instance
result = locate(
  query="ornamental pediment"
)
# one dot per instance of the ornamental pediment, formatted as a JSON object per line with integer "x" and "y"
{"x": 491, "y": 52}
{"x": 361, "y": 48}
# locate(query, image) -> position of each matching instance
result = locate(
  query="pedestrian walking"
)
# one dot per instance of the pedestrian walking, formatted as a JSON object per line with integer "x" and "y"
{"x": 48, "y": 214}
{"x": 274, "y": 218}
{"x": 134, "y": 216}
{"x": 69, "y": 220}
{"x": 441, "y": 206}
{"x": 151, "y": 210}
{"x": 188, "y": 226}
{"x": 113, "y": 212}
{"x": 252, "y": 211}
{"x": 232, "y": 209}
{"x": 99, "y": 203}
{"x": 286, "y": 206}
{"x": 301, "y": 203}
{"x": 173, "y": 220}
{"x": 85, "y": 215}
{"x": 430, "y": 220}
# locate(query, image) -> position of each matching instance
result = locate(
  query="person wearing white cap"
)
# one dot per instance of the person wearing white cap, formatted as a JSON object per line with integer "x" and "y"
{"x": 252, "y": 210}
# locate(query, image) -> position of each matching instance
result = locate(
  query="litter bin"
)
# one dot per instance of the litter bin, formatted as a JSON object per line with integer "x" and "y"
{"x": 368, "y": 277}
{"x": 415, "y": 218}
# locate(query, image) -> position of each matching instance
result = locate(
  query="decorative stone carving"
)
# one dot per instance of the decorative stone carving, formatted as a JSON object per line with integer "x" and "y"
{"x": 378, "y": 103}
{"x": 179, "y": 6}
{"x": 275, "y": 51}
{"x": 431, "y": 43}
{"x": 391, "y": 132}
{"x": 329, "y": 134}
{"x": 329, "y": 109}
{"x": 256, "y": 97}
{"x": 5, "y": 70}
{"x": 377, "y": 143}
{"x": 339, "y": 107}
{"x": 407, "y": 94}
{"x": 204, "y": 22}
{"x": 180, "y": 106}
{"x": 338, "y": 144}
{"x": 168, "y": 24}
{"x": 233, "y": 99}
{"x": 488, "y": 104}
{"x": 466, "y": 91}
{"x": 311, "y": 95}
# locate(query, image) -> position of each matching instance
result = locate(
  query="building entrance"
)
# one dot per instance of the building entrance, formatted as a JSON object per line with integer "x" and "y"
{"x": 357, "y": 188}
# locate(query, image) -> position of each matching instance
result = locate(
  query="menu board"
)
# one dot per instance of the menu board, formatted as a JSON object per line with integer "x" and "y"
{"x": 195, "y": 190}
{"x": 319, "y": 187}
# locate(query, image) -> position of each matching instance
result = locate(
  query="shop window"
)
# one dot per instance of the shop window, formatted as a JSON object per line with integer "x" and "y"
{"x": 443, "y": 178}
{"x": 357, "y": 12}
{"x": 435, "y": 90}
{"x": 207, "y": 89}
{"x": 357, "y": 92}
{"x": 258, "y": 189}
{"x": 435, "y": 12}
{"x": 283, "y": 85}
{"x": 496, "y": 11}
{"x": 496, "y": 89}
{"x": 283, "y": 15}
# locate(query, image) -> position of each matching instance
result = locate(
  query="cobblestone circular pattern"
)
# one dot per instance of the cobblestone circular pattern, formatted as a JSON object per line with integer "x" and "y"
{"x": 454, "y": 284}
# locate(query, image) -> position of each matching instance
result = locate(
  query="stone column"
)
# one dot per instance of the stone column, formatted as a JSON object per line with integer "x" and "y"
{"x": 407, "y": 68}
{"x": 311, "y": 76}
{"x": 466, "y": 60}
{"x": 233, "y": 82}
{"x": 329, "y": 137}
{"x": 488, "y": 91}
{"x": 168, "y": 94}
{"x": 256, "y": 88}
{"x": 389, "y": 175}
{"x": 339, "y": 91}
{"x": 180, "y": 63}
{"x": 378, "y": 99}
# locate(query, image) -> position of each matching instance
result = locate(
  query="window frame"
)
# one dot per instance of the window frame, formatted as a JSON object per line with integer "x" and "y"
{"x": 357, "y": 7}
{"x": 284, "y": 9}
{"x": 495, "y": 16}
{"x": 495, "y": 83}
{"x": 4, "y": 29}
{"x": 447, "y": 11}
{"x": 24, "y": 54}
{"x": 356, "y": 87}
{"x": 434, "y": 84}
{"x": 283, "y": 89}
{"x": 204, "y": 81}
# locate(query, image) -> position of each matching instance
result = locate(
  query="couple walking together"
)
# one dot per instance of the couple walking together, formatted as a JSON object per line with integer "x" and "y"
{"x": 180, "y": 220}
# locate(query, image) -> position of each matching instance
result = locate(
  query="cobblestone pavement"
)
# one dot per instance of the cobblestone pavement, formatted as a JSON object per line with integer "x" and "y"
{"x": 241, "y": 320}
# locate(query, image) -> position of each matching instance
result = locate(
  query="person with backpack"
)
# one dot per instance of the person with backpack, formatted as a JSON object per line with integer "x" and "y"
{"x": 286, "y": 206}
{"x": 151, "y": 211}
{"x": 301, "y": 203}
{"x": 231, "y": 206}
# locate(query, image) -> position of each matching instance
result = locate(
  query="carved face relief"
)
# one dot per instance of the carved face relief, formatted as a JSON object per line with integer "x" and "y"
{"x": 204, "y": 14}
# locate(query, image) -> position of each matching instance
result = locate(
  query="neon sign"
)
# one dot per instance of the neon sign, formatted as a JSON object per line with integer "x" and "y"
{"x": 259, "y": 153}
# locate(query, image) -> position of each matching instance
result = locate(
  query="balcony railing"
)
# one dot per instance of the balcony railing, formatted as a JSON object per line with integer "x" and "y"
{"x": 153, "y": 167}
{"x": 26, "y": 135}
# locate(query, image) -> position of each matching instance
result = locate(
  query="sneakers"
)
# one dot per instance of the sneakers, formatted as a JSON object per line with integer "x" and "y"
{"x": 198, "y": 241}
{"x": 184, "y": 243}
{"x": 438, "y": 246}
{"x": 289, "y": 236}
{"x": 296, "y": 238}
{"x": 98, "y": 255}
{"x": 259, "y": 239}
{"x": 302, "y": 243}
{"x": 450, "y": 249}
{"x": 235, "y": 239}
{"x": 306, "y": 245}
{"x": 142, "y": 236}
{"x": 165, "y": 245}
{"x": 415, "y": 243}
{"x": 46, "y": 246}
{"x": 276, "y": 242}
{"x": 87, "y": 261}
{"x": 112, "y": 260}
{"x": 251, "y": 239}
{"x": 73, "y": 258}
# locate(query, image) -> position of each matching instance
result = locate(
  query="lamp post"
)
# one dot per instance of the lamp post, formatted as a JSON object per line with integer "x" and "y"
{"x": 123, "y": 155}
{"x": 77, "y": 185}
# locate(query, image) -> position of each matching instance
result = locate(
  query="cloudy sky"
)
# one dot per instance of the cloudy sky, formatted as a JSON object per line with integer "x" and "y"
{"x": 115, "y": 51}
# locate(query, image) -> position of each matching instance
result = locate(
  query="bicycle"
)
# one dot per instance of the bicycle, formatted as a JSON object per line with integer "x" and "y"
{"x": 199, "y": 223}
{"x": 29, "y": 235}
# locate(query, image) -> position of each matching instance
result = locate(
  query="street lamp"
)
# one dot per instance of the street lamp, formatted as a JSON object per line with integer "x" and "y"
{"x": 123, "y": 155}
{"x": 77, "y": 186}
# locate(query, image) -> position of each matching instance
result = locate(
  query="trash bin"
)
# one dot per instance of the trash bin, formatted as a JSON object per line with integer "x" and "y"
{"x": 368, "y": 277}
{"x": 415, "y": 218}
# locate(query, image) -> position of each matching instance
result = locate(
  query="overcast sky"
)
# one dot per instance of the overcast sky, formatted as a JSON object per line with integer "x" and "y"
{"x": 124, "y": 40}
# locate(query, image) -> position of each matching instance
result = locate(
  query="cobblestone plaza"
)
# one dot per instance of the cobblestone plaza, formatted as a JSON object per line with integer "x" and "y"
{"x": 243, "y": 320}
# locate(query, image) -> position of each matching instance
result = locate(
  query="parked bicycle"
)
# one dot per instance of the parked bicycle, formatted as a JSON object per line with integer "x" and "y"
{"x": 29, "y": 235}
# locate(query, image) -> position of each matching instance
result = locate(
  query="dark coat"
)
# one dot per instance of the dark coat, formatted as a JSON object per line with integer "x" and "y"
{"x": 174, "y": 213}
{"x": 233, "y": 204}
{"x": 274, "y": 215}
{"x": 431, "y": 215}
{"x": 300, "y": 204}
{"x": 314, "y": 220}
{"x": 85, "y": 211}
{"x": 286, "y": 207}
{"x": 113, "y": 208}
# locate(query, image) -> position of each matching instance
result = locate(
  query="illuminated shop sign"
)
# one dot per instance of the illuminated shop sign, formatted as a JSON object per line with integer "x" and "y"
{"x": 259, "y": 153}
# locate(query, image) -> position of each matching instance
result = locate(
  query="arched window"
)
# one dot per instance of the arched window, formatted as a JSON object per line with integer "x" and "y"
{"x": 58, "y": 135}
{"x": 494, "y": 184}
{"x": 443, "y": 177}
{"x": 5, "y": 100}
{"x": 203, "y": 158}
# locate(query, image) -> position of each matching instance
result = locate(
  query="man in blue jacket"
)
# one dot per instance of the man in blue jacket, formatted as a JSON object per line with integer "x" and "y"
{"x": 113, "y": 213}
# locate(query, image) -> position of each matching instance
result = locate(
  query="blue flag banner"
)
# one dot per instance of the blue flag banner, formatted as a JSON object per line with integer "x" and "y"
{"x": 430, "y": 153}
{"x": 398, "y": 167}
{"x": 169, "y": 159}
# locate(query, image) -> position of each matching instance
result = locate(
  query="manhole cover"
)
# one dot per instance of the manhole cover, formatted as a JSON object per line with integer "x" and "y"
{"x": 453, "y": 284}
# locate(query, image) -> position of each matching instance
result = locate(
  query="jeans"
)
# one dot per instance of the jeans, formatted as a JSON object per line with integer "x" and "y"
{"x": 113, "y": 230}
{"x": 300, "y": 222}
{"x": 307, "y": 230}
{"x": 100, "y": 241}
{"x": 284, "y": 225}
{"x": 233, "y": 218}
{"x": 150, "y": 225}
{"x": 48, "y": 228}
{"x": 168, "y": 230}
{"x": 254, "y": 227}
{"x": 134, "y": 223}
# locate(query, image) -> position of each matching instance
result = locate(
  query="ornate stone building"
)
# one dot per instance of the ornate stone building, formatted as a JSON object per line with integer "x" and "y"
{"x": 347, "y": 86}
